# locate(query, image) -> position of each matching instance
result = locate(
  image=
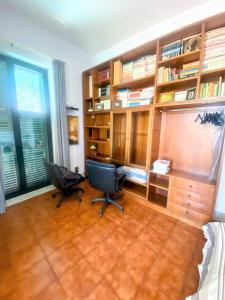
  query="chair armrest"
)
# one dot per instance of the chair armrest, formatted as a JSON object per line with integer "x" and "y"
{"x": 120, "y": 180}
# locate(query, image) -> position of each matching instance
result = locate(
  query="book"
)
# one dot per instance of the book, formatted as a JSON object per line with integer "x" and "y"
{"x": 90, "y": 86}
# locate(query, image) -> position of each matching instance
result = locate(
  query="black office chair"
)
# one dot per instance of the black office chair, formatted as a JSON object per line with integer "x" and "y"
{"x": 64, "y": 180}
{"x": 104, "y": 177}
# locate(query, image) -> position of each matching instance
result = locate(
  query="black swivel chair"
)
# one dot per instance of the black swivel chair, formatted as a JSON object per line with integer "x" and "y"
{"x": 64, "y": 180}
{"x": 104, "y": 177}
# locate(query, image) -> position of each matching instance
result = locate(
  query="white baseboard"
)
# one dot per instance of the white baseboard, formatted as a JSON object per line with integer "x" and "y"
{"x": 29, "y": 195}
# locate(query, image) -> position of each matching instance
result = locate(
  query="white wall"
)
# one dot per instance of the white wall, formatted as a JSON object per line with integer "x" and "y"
{"x": 188, "y": 17}
{"x": 40, "y": 47}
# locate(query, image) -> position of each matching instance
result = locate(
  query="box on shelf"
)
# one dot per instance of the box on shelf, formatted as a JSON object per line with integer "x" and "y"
{"x": 161, "y": 166}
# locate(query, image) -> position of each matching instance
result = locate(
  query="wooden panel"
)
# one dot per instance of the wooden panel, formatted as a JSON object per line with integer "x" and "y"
{"x": 186, "y": 143}
{"x": 138, "y": 138}
{"x": 188, "y": 213}
{"x": 194, "y": 186}
{"x": 205, "y": 200}
{"x": 119, "y": 137}
{"x": 196, "y": 206}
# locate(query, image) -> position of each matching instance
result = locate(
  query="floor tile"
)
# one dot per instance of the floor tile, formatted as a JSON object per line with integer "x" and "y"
{"x": 148, "y": 291}
{"x": 121, "y": 240}
{"x": 103, "y": 257}
{"x": 87, "y": 240}
{"x": 25, "y": 258}
{"x": 35, "y": 280}
{"x": 167, "y": 277}
{"x": 124, "y": 280}
{"x": 80, "y": 280}
{"x": 64, "y": 257}
{"x": 53, "y": 240}
{"x": 140, "y": 256}
{"x": 102, "y": 291}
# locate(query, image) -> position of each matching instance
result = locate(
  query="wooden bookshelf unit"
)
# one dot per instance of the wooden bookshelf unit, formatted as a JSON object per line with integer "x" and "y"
{"x": 134, "y": 131}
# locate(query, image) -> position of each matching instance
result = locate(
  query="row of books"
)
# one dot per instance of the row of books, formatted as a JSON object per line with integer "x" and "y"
{"x": 214, "y": 52}
{"x": 213, "y": 88}
{"x": 181, "y": 95}
{"x": 103, "y": 75}
{"x": 128, "y": 98}
{"x": 104, "y": 91}
{"x": 103, "y": 104}
{"x": 169, "y": 74}
{"x": 181, "y": 46}
{"x": 141, "y": 67}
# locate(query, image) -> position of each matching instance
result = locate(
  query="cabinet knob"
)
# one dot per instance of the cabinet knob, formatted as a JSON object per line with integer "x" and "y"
{"x": 188, "y": 203}
{"x": 190, "y": 186}
{"x": 189, "y": 195}
{"x": 187, "y": 212}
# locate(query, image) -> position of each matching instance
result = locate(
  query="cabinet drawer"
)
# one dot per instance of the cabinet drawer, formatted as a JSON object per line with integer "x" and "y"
{"x": 194, "y": 186}
{"x": 196, "y": 206}
{"x": 206, "y": 200}
{"x": 188, "y": 213}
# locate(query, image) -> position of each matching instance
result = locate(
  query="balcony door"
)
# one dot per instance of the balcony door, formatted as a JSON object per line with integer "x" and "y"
{"x": 25, "y": 132}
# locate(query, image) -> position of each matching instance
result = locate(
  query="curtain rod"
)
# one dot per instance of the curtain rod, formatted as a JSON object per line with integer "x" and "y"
{"x": 193, "y": 108}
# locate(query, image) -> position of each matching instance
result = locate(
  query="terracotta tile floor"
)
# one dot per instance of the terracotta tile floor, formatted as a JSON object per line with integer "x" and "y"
{"x": 72, "y": 253}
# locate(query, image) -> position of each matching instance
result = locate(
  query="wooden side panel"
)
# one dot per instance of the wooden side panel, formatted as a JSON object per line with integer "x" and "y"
{"x": 187, "y": 144}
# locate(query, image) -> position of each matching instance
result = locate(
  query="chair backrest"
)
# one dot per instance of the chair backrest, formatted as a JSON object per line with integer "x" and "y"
{"x": 54, "y": 174}
{"x": 102, "y": 176}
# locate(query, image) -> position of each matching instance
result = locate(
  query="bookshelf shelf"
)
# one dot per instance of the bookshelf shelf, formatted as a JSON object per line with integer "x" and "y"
{"x": 215, "y": 72}
{"x": 136, "y": 83}
{"x": 136, "y": 182}
{"x": 103, "y": 111}
{"x": 193, "y": 103}
{"x": 159, "y": 183}
{"x": 178, "y": 82}
{"x": 98, "y": 141}
{"x": 103, "y": 82}
{"x": 100, "y": 127}
{"x": 158, "y": 199}
{"x": 181, "y": 59}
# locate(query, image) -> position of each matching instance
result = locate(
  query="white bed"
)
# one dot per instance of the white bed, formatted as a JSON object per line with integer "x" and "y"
{"x": 212, "y": 268}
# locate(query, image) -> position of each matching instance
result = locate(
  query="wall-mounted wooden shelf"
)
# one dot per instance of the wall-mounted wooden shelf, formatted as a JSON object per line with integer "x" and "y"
{"x": 181, "y": 59}
{"x": 160, "y": 183}
{"x": 179, "y": 82}
{"x": 136, "y": 83}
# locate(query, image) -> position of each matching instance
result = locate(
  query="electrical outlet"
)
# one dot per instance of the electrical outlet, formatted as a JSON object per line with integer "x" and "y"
{"x": 76, "y": 169}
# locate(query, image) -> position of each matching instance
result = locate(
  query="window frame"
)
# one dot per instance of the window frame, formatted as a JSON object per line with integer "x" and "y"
{"x": 11, "y": 94}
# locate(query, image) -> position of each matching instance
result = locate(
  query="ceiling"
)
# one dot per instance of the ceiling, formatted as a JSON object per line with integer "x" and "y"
{"x": 96, "y": 25}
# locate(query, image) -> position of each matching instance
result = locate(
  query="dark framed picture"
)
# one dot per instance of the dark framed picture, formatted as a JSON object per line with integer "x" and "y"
{"x": 191, "y": 94}
{"x": 73, "y": 130}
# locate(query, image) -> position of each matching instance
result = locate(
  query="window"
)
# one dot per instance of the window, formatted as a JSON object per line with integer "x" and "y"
{"x": 25, "y": 133}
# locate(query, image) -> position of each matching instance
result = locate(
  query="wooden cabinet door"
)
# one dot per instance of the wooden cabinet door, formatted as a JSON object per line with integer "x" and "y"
{"x": 119, "y": 137}
{"x": 138, "y": 147}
